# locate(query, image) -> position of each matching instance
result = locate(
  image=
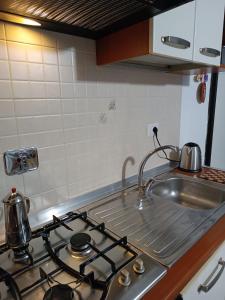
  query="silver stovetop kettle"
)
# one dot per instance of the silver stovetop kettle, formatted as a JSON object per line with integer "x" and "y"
{"x": 17, "y": 227}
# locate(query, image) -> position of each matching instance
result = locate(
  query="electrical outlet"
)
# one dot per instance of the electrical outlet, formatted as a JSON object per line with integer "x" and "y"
{"x": 150, "y": 128}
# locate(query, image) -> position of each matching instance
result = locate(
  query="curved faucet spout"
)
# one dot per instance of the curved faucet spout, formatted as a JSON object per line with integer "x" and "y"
{"x": 141, "y": 184}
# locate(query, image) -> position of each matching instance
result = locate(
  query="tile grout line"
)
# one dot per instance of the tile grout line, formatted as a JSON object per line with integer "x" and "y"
{"x": 13, "y": 98}
{"x": 63, "y": 124}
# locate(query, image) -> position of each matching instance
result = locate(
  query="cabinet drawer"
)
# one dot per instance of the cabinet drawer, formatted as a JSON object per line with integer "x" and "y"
{"x": 217, "y": 291}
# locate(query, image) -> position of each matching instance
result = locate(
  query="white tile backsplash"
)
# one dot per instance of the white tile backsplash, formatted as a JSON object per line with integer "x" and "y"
{"x": 65, "y": 57}
{"x": 66, "y": 74}
{"x": 84, "y": 119}
{"x": 2, "y": 31}
{"x": 42, "y": 139}
{"x": 8, "y": 126}
{"x": 36, "y": 72}
{"x": 50, "y": 55}
{"x": 4, "y": 70}
{"x": 51, "y": 73}
{"x": 21, "y": 89}
{"x": 19, "y": 70}
{"x": 17, "y": 51}
{"x": 3, "y": 50}
{"x": 32, "y": 183}
{"x": 49, "y": 39}
{"x": 39, "y": 123}
{"x": 6, "y": 108}
{"x": 67, "y": 90}
{"x": 8, "y": 142}
{"x": 5, "y": 89}
{"x": 69, "y": 106}
{"x": 37, "y": 90}
{"x": 52, "y": 90}
{"x": 37, "y": 107}
{"x": 22, "y": 34}
{"x": 80, "y": 90}
{"x": 34, "y": 53}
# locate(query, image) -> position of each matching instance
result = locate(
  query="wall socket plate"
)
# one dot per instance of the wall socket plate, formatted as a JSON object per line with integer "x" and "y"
{"x": 150, "y": 128}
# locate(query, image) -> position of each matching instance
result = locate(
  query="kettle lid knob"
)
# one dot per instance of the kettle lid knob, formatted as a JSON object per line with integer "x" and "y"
{"x": 13, "y": 197}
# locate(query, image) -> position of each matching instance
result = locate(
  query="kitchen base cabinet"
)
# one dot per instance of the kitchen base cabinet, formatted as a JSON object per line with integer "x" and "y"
{"x": 209, "y": 282}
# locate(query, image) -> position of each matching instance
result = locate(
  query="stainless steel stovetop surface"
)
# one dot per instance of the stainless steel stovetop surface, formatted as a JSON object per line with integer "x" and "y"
{"x": 59, "y": 238}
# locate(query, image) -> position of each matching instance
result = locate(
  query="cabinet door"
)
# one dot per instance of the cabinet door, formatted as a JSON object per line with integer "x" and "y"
{"x": 173, "y": 32}
{"x": 217, "y": 291}
{"x": 208, "y": 31}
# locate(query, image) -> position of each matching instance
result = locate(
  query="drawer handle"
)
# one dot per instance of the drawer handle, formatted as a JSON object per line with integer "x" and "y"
{"x": 175, "y": 42}
{"x": 212, "y": 279}
{"x": 209, "y": 52}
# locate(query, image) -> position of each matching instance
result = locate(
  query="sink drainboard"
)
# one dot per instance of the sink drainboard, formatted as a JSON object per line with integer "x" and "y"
{"x": 159, "y": 230}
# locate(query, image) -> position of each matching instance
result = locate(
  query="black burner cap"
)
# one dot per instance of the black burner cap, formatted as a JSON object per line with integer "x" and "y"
{"x": 59, "y": 292}
{"x": 80, "y": 241}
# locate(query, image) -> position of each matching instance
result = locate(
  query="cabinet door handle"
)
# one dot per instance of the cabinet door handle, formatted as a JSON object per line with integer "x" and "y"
{"x": 213, "y": 277}
{"x": 209, "y": 52}
{"x": 175, "y": 42}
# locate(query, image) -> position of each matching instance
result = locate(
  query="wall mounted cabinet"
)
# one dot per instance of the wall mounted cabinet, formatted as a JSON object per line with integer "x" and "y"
{"x": 171, "y": 33}
{"x": 184, "y": 37}
{"x": 209, "y": 22}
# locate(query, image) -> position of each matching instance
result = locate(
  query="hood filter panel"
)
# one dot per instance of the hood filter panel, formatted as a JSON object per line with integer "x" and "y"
{"x": 93, "y": 17}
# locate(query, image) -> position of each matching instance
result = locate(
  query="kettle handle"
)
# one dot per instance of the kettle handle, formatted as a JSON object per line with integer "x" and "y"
{"x": 27, "y": 204}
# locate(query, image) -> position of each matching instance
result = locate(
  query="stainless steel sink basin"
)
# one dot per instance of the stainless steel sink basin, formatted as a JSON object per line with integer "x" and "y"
{"x": 189, "y": 193}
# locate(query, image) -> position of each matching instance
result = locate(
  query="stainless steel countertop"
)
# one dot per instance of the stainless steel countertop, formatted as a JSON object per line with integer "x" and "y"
{"x": 102, "y": 195}
{"x": 42, "y": 217}
{"x": 163, "y": 229}
{"x": 117, "y": 213}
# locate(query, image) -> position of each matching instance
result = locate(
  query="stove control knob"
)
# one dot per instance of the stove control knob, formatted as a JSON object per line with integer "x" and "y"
{"x": 138, "y": 266}
{"x": 124, "y": 278}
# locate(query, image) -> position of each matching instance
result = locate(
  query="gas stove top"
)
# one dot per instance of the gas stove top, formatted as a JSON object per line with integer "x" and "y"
{"x": 72, "y": 257}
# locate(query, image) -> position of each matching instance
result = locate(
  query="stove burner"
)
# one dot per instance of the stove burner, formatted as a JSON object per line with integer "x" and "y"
{"x": 80, "y": 242}
{"x": 59, "y": 292}
{"x": 79, "y": 246}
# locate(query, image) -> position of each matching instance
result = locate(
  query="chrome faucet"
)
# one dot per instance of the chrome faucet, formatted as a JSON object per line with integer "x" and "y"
{"x": 141, "y": 184}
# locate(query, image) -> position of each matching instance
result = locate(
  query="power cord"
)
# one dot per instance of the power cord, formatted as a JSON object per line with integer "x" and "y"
{"x": 155, "y": 137}
{"x": 155, "y": 131}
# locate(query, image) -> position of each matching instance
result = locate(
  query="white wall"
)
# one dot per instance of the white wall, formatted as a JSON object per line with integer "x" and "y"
{"x": 194, "y": 116}
{"x": 218, "y": 145}
{"x": 53, "y": 96}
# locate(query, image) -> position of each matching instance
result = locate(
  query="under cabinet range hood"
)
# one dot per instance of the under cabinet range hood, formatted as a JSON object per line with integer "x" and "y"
{"x": 87, "y": 18}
